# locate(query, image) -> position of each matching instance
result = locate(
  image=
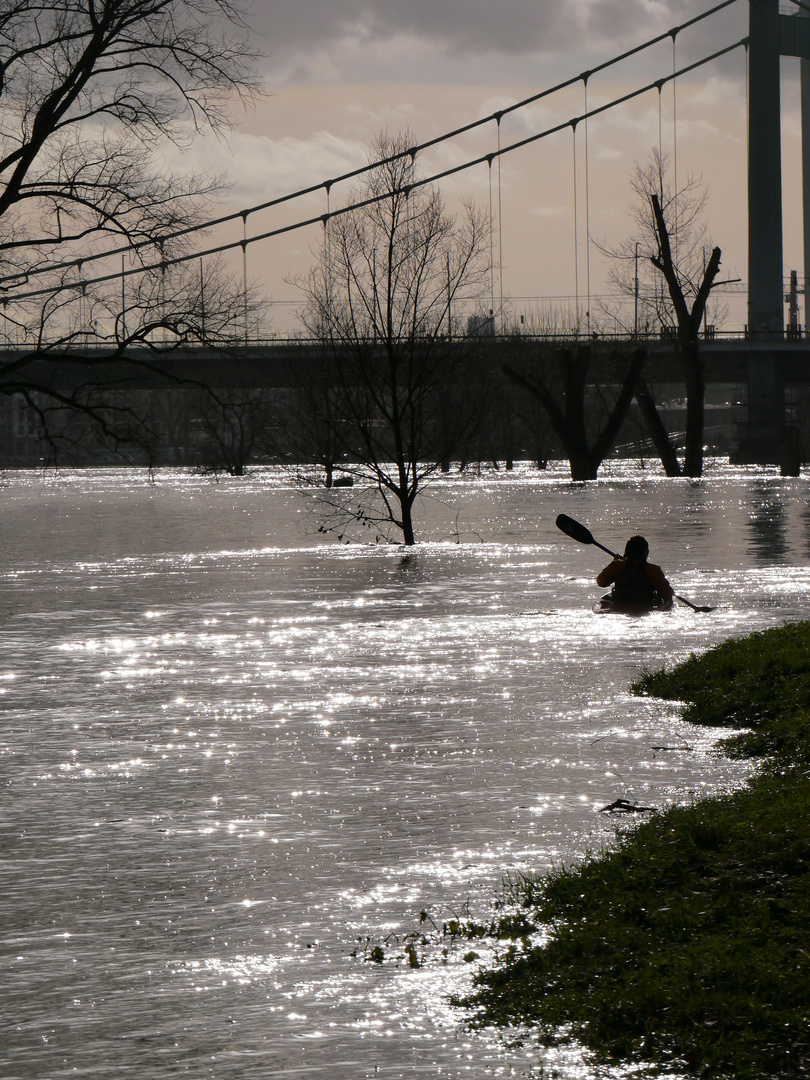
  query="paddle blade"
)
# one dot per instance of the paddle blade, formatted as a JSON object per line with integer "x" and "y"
{"x": 694, "y": 607}
{"x": 574, "y": 529}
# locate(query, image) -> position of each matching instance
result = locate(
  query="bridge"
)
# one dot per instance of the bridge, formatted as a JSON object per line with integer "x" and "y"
{"x": 766, "y": 357}
{"x": 168, "y": 390}
{"x": 268, "y": 364}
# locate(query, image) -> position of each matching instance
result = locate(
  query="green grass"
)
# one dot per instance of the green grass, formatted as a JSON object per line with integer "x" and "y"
{"x": 687, "y": 947}
{"x": 761, "y": 682}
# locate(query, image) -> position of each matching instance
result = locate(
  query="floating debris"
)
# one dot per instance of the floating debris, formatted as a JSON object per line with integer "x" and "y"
{"x": 623, "y": 806}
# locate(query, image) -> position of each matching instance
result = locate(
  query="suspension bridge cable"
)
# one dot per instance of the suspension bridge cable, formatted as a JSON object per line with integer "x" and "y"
{"x": 675, "y": 139}
{"x": 587, "y": 216}
{"x": 361, "y": 170}
{"x": 576, "y": 225}
{"x": 500, "y": 224}
{"x": 491, "y": 242}
{"x": 162, "y": 263}
{"x": 245, "y": 276}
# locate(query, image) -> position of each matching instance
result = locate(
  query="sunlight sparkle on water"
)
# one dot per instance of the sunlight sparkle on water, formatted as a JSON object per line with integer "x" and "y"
{"x": 240, "y": 761}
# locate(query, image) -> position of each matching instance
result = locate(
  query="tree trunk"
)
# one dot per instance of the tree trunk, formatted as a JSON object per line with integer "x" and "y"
{"x": 583, "y": 466}
{"x": 408, "y": 535}
{"x": 568, "y": 417}
{"x": 695, "y": 394}
{"x": 658, "y": 433}
{"x": 688, "y": 322}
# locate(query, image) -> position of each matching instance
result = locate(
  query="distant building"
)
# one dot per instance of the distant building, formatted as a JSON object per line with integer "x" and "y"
{"x": 481, "y": 325}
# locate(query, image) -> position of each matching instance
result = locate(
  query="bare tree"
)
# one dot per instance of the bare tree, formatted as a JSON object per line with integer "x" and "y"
{"x": 310, "y": 416}
{"x": 389, "y": 275}
{"x": 667, "y": 268}
{"x": 90, "y": 90}
{"x": 559, "y": 379}
{"x": 233, "y": 427}
{"x": 84, "y": 386}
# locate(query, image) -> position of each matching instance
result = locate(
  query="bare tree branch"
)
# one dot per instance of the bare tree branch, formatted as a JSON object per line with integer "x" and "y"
{"x": 672, "y": 238}
{"x": 389, "y": 276}
{"x": 89, "y": 90}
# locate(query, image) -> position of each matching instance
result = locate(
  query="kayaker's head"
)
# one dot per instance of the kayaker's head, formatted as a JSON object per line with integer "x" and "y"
{"x": 636, "y": 549}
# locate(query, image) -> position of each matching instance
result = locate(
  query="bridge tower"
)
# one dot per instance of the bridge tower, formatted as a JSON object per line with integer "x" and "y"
{"x": 771, "y": 36}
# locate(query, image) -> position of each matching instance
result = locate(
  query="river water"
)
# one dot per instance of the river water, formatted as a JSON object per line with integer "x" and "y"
{"x": 235, "y": 759}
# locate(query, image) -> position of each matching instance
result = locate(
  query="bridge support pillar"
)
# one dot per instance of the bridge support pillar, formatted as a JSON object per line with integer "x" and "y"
{"x": 764, "y": 442}
{"x": 771, "y": 35}
{"x": 804, "y": 68}
{"x": 766, "y": 302}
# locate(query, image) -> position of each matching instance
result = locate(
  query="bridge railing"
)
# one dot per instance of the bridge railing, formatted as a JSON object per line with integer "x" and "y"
{"x": 667, "y": 336}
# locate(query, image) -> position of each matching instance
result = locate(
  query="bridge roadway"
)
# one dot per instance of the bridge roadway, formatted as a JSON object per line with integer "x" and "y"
{"x": 280, "y": 363}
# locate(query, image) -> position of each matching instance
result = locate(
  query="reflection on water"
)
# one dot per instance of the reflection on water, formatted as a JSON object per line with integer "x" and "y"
{"x": 234, "y": 763}
{"x": 768, "y": 524}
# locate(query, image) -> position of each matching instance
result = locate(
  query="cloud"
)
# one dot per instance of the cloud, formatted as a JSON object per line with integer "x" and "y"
{"x": 341, "y": 38}
{"x": 262, "y": 168}
{"x": 549, "y": 211}
{"x": 341, "y": 71}
{"x": 468, "y": 24}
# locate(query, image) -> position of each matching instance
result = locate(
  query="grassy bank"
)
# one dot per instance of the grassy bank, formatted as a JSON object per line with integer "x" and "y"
{"x": 688, "y": 946}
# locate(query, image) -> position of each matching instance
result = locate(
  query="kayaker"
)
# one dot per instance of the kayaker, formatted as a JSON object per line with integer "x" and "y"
{"x": 636, "y": 582}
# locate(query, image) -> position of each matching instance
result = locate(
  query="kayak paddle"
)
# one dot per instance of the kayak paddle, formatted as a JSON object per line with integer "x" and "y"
{"x": 583, "y": 535}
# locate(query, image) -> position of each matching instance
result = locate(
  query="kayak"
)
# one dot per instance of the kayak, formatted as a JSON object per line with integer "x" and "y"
{"x": 607, "y": 605}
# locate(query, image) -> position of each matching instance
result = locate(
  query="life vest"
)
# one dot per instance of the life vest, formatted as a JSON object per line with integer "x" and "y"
{"x": 632, "y": 586}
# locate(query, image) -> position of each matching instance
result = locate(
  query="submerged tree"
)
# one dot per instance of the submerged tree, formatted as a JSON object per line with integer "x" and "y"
{"x": 392, "y": 267}
{"x": 310, "y": 415}
{"x": 671, "y": 240}
{"x": 84, "y": 389}
{"x": 234, "y": 426}
{"x": 90, "y": 91}
{"x": 560, "y": 380}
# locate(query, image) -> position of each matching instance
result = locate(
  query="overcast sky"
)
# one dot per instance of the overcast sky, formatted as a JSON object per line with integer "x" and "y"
{"x": 340, "y": 71}
{"x": 447, "y": 41}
